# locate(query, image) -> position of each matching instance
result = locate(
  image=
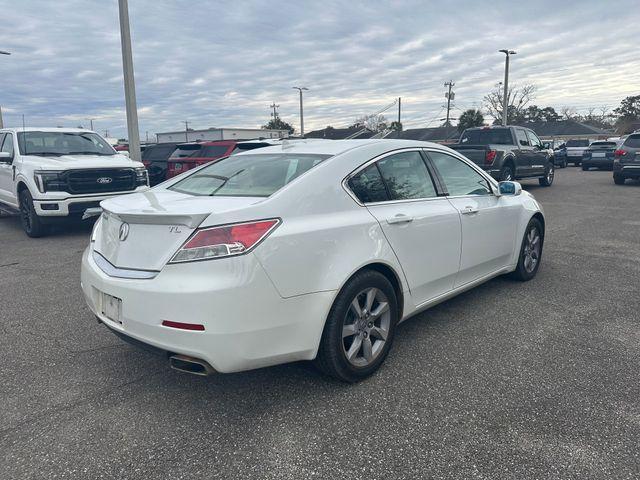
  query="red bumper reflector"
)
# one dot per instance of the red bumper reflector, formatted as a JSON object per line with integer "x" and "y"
{"x": 183, "y": 326}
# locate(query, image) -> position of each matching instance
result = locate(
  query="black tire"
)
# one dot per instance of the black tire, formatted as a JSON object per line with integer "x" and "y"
{"x": 31, "y": 223}
{"x": 618, "y": 179}
{"x": 523, "y": 272}
{"x": 332, "y": 359}
{"x": 577, "y": 164}
{"x": 564, "y": 163}
{"x": 584, "y": 168}
{"x": 507, "y": 173}
{"x": 549, "y": 175}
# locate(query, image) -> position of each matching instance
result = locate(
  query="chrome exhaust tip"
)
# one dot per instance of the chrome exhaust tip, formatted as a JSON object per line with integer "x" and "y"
{"x": 186, "y": 364}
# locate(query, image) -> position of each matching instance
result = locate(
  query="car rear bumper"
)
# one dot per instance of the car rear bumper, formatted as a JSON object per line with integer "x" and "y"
{"x": 247, "y": 324}
{"x": 598, "y": 162}
{"x": 628, "y": 171}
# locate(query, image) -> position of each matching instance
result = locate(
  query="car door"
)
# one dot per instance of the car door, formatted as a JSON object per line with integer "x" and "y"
{"x": 422, "y": 227}
{"x": 538, "y": 154}
{"x": 524, "y": 155}
{"x": 488, "y": 221}
{"x": 6, "y": 169}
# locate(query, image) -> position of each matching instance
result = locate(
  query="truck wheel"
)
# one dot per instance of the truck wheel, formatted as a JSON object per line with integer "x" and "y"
{"x": 618, "y": 179}
{"x": 506, "y": 174}
{"x": 31, "y": 223}
{"x": 549, "y": 175}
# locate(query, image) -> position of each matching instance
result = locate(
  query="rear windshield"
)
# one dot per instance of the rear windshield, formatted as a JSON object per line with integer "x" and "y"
{"x": 487, "y": 136}
{"x": 156, "y": 153}
{"x": 603, "y": 145}
{"x": 206, "y": 151}
{"x": 632, "y": 141}
{"x": 578, "y": 143}
{"x": 251, "y": 175}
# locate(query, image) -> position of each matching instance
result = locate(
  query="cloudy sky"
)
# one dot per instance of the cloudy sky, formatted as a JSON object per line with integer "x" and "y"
{"x": 217, "y": 63}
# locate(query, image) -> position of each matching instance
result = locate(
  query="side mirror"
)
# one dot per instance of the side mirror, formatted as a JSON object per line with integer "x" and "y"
{"x": 6, "y": 157}
{"x": 510, "y": 188}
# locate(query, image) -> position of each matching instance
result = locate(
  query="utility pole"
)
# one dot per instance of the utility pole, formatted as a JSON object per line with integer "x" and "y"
{"x": 450, "y": 96}
{"x": 186, "y": 130}
{"x": 275, "y": 110}
{"x": 399, "y": 107}
{"x": 505, "y": 97}
{"x": 300, "y": 89}
{"x": 129, "y": 82}
{"x": 91, "y": 122}
{"x": 2, "y": 52}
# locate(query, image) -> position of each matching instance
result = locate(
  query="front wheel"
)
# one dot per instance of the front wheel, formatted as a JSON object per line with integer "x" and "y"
{"x": 360, "y": 328}
{"x": 530, "y": 251}
{"x": 584, "y": 168}
{"x": 549, "y": 175}
{"x": 618, "y": 179}
{"x": 31, "y": 223}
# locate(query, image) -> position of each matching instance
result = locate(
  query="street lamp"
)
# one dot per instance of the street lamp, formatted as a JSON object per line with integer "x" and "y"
{"x": 300, "y": 89}
{"x": 505, "y": 98}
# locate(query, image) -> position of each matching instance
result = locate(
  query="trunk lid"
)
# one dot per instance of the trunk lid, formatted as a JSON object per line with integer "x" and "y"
{"x": 143, "y": 231}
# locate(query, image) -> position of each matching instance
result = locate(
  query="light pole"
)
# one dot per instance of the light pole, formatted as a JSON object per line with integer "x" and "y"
{"x": 505, "y": 98}
{"x": 2, "y": 52}
{"x": 300, "y": 89}
{"x": 129, "y": 83}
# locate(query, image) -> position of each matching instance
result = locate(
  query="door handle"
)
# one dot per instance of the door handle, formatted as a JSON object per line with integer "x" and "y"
{"x": 468, "y": 210}
{"x": 399, "y": 218}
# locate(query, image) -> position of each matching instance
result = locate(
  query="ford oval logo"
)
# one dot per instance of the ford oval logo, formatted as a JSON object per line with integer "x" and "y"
{"x": 124, "y": 231}
{"x": 104, "y": 180}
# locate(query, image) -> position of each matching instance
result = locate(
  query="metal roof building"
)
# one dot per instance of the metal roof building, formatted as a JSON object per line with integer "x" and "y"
{"x": 213, "y": 134}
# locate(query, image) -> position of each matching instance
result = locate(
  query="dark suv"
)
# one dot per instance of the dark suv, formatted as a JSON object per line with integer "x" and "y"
{"x": 626, "y": 162}
{"x": 155, "y": 159}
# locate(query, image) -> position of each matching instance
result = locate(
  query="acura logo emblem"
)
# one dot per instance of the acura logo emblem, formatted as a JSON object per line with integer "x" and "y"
{"x": 124, "y": 232}
{"x": 104, "y": 180}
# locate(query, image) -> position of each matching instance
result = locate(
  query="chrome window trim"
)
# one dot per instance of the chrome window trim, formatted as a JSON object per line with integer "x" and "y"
{"x": 111, "y": 270}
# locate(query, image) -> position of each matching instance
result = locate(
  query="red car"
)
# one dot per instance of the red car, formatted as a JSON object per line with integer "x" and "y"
{"x": 190, "y": 155}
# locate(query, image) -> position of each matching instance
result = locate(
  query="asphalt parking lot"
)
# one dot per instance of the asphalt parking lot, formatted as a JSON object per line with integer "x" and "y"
{"x": 510, "y": 380}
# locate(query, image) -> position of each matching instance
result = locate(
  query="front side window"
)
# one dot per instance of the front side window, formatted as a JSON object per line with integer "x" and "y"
{"x": 406, "y": 176}
{"x": 523, "y": 141}
{"x": 251, "y": 175}
{"x": 7, "y": 145}
{"x": 459, "y": 178}
{"x": 63, "y": 143}
{"x": 368, "y": 186}
{"x": 534, "y": 140}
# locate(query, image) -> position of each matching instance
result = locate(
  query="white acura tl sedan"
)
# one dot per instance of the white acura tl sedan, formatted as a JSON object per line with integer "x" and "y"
{"x": 308, "y": 250}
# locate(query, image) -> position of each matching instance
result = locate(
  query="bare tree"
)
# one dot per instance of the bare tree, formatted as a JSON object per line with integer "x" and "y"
{"x": 517, "y": 100}
{"x": 568, "y": 113}
{"x": 375, "y": 123}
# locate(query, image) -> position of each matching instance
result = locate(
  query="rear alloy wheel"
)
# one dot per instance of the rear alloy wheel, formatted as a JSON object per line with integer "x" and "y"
{"x": 549, "y": 175}
{"x": 618, "y": 179}
{"x": 31, "y": 223}
{"x": 530, "y": 251}
{"x": 360, "y": 328}
{"x": 506, "y": 174}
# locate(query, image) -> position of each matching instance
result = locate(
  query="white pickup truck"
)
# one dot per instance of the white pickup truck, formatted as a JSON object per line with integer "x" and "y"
{"x": 52, "y": 174}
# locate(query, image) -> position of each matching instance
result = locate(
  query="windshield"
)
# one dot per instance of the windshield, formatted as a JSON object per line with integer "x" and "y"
{"x": 487, "y": 136}
{"x": 199, "y": 150}
{"x": 255, "y": 175}
{"x": 632, "y": 141}
{"x": 63, "y": 143}
{"x": 577, "y": 143}
{"x": 602, "y": 145}
{"x": 158, "y": 152}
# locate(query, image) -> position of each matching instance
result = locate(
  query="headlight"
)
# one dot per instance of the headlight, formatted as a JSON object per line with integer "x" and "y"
{"x": 142, "y": 177}
{"x": 49, "y": 181}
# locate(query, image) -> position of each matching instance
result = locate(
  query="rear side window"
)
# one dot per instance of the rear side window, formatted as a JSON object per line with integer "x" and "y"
{"x": 632, "y": 141}
{"x": 368, "y": 185}
{"x": 406, "y": 176}
{"x": 523, "y": 141}
{"x": 211, "y": 151}
{"x": 250, "y": 175}
{"x": 459, "y": 178}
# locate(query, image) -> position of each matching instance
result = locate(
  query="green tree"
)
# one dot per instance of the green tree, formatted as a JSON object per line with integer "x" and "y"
{"x": 396, "y": 125}
{"x": 628, "y": 112}
{"x": 470, "y": 118}
{"x": 278, "y": 124}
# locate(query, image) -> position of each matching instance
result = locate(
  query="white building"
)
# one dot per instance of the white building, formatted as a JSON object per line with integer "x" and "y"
{"x": 213, "y": 134}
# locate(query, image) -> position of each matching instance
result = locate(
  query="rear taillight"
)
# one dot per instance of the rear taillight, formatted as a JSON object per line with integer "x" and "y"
{"x": 490, "y": 157}
{"x": 224, "y": 241}
{"x": 620, "y": 153}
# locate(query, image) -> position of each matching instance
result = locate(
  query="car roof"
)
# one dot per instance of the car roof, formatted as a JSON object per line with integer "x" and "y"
{"x": 47, "y": 129}
{"x": 337, "y": 147}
